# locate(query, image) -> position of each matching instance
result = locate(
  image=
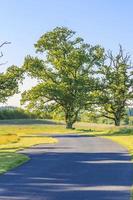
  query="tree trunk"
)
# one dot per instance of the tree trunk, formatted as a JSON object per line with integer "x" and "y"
{"x": 69, "y": 120}
{"x": 69, "y": 125}
{"x": 117, "y": 122}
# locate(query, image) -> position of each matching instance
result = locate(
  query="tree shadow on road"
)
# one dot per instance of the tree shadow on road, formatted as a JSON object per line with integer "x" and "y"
{"x": 69, "y": 176}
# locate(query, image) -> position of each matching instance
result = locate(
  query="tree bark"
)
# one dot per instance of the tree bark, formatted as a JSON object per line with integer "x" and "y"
{"x": 70, "y": 120}
{"x": 69, "y": 125}
{"x": 117, "y": 122}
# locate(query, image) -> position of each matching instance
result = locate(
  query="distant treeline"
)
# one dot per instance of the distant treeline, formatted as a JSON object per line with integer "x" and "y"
{"x": 14, "y": 113}
{"x": 9, "y": 112}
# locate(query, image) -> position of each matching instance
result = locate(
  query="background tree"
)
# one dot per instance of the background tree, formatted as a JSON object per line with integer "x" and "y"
{"x": 65, "y": 73}
{"x": 9, "y": 80}
{"x": 117, "y": 91}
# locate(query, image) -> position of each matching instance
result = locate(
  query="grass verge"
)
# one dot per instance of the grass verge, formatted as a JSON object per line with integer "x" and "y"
{"x": 9, "y": 161}
{"x": 18, "y": 137}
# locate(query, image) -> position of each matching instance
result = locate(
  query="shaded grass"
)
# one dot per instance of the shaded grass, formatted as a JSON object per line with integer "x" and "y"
{"x": 131, "y": 194}
{"x": 28, "y": 121}
{"x": 9, "y": 161}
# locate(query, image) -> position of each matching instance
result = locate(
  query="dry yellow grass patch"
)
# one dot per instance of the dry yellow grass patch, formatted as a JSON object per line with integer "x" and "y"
{"x": 9, "y": 138}
{"x": 26, "y": 142}
{"x": 14, "y": 138}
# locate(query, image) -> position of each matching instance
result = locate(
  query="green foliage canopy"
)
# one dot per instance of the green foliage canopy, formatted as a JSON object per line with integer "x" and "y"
{"x": 64, "y": 73}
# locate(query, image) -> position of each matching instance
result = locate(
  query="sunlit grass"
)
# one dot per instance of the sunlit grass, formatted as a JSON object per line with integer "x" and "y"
{"x": 18, "y": 137}
{"x": 9, "y": 138}
{"x": 23, "y": 130}
{"x": 26, "y": 142}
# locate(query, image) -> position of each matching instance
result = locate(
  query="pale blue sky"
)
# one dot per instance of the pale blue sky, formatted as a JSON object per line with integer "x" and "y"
{"x": 22, "y": 22}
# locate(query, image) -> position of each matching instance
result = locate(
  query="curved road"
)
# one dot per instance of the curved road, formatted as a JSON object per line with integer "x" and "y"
{"x": 76, "y": 168}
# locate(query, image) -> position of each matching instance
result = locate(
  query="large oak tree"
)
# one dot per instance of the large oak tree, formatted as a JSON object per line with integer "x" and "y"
{"x": 64, "y": 72}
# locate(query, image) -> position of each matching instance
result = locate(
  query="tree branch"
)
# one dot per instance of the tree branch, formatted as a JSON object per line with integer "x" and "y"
{"x": 4, "y": 43}
{"x": 108, "y": 117}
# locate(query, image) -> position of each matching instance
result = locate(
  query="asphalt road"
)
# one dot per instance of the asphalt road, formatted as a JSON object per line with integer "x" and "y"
{"x": 76, "y": 168}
